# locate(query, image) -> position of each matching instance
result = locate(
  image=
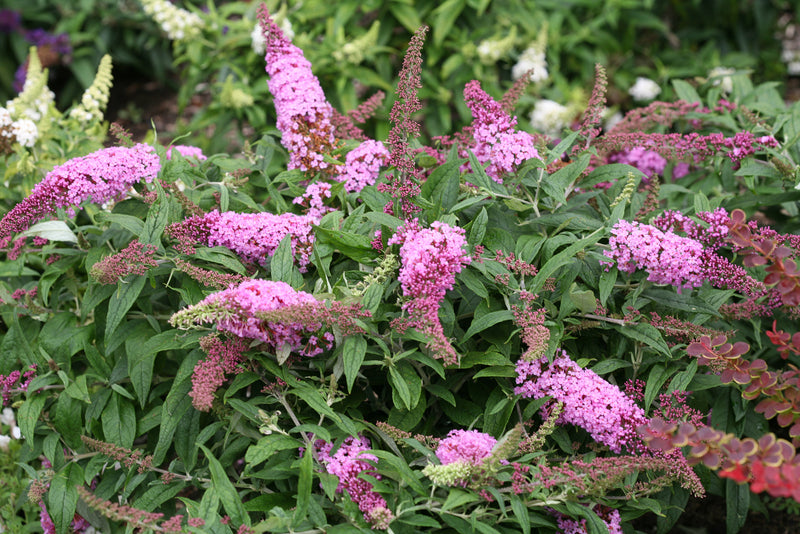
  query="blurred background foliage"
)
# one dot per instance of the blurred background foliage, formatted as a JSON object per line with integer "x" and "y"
{"x": 356, "y": 48}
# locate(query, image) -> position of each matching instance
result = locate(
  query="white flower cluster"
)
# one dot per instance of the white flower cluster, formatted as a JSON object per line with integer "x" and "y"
{"x": 644, "y": 89}
{"x": 23, "y": 131}
{"x": 36, "y": 99}
{"x": 722, "y": 76}
{"x": 550, "y": 117}
{"x": 177, "y": 23}
{"x": 490, "y": 51}
{"x": 7, "y": 419}
{"x": 95, "y": 98}
{"x": 531, "y": 58}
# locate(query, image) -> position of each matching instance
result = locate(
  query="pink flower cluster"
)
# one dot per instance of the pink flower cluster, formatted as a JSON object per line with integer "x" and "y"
{"x": 101, "y": 176}
{"x": 430, "y": 259}
{"x": 313, "y": 200}
{"x": 253, "y": 236}
{"x": 589, "y": 402}
{"x": 647, "y": 161}
{"x": 362, "y": 165}
{"x": 347, "y": 463}
{"x": 15, "y": 380}
{"x": 712, "y": 236}
{"x": 667, "y": 257}
{"x": 468, "y": 446}
{"x": 186, "y": 151}
{"x": 609, "y": 516}
{"x": 223, "y": 357}
{"x": 304, "y": 114}
{"x": 235, "y": 310}
{"x": 496, "y": 140}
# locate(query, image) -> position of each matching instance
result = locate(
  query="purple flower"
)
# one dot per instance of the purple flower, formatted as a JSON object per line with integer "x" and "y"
{"x": 362, "y": 165}
{"x": 590, "y": 402}
{"x": 647, "y": 161}
{"x": 468, "y": 446}
{"x": 253, "y": 236}
{"x": 495, "y": 139}
{"x": 667, "y": 257}
{"x": 10, "y": 20}
{"x": 304, "y": 114}
{"x": 101, "y": 176}
{"x": 186, "y": 151}
{"x": 347, "y": 463}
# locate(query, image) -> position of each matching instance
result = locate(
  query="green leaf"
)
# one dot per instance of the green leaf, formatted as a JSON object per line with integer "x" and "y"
{"x": 737, "y": 504}
{"x": 120, "y": 303}
{"x": 267, "y": 446}
{"x": 680, "y": 382}
{"x": 28, "y": 415}
{"x": 610, "y": 173}
{"x": 355, "y": 246}
{"x": 458, "y": 498}
{"x": 446, "y": 15}
{"x": 441, "y": 187}
{"x": 119, "y": 422}
{"x": 225, "y": 490}
{"x": 78, "y": 389}
{"x": 685, "y": 91}
{"x": 353, "y": 351}
{"x": 282, "y": 264}
{"x": 561, "y": 259}
{"x": 62, "y": 497}
{"x": 313, "y": 397}
{"x": 556, "y": 185}
{"x": 51, "y": 230}
{"x": 607, "y": 280}
{"x": 156, "y": 221}
{"x": 406, "y": 14}
{"x": 657, "y": 377}
{"x": 406, "y": 384}
{"x": 141, "y": 357}
{"x": 485, "y": 321}
{"x": 478, "y": 228}
{"x": 304, "y": 486}
{"x": 132, "y": 224}
{"x": 647, "y": 334}
{"x": 157, "y": 495}
{"x": 521, "y": 513}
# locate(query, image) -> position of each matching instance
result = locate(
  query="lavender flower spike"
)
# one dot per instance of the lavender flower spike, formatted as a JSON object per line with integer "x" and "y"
{"x": 107, "y": 174}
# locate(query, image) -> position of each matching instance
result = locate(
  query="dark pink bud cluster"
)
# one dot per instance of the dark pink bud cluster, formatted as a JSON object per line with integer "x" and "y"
{"x": 14, "y": 382}
{"x": 223, "y": 357}
{"x": 136, "y": 258}
{"x": 101, "y": 176}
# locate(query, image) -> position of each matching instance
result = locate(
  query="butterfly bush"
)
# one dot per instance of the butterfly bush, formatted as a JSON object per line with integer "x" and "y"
{"x": 348, "y": 462}
{"x": 254, "y": 236}
{"x": 236, "y": 311}
{"x": 102, "y": 176}
{"x": 590, "y": 402}
{"x": 493, "y": 130}
{"x": 430, "y": 259}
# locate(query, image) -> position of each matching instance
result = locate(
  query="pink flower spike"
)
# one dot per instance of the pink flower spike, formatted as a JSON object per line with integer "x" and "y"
{"x": 102, "y": 176}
